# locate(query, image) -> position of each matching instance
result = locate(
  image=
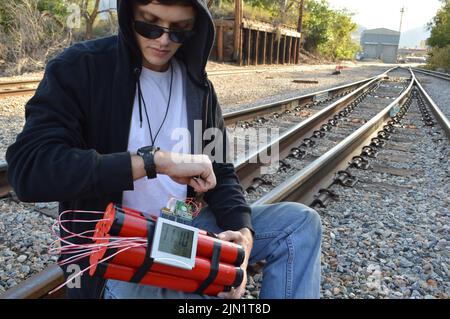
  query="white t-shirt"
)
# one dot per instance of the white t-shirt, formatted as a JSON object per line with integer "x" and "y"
{"x": 149, "y": 196}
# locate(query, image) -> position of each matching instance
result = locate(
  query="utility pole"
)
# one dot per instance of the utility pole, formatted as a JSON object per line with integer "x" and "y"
{"x": 402, "y": 11}
{"x": 300, "y": 16}
{"x": 301, "y": 7}
{"x": 238, "y": 17}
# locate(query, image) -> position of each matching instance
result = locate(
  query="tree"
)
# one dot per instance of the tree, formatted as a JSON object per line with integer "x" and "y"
{"x": 285, "y": 7}
{"x": 440, "y": 27}
{"x": 55, "y": 8}
{"x": 317, "y": 20}
{"x": 90, "y": 11}
{"x": 439, "y": 59}
{"x": 340, "y": 44}
{"x": 6, "y": 16}
{"x": 328, "y": 32}
{"x": 439, "y": 40}
{"x": 31, "y": 37}
{"x": 301, "y": 8}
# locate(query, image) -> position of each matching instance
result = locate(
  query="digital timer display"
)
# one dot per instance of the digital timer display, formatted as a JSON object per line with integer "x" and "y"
{"x": 174, "y": 244}
{"x": 176, "y": 240}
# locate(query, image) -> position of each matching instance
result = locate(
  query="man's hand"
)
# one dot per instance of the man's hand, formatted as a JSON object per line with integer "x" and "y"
{"x": 187, "y": 169}
{"x": 244, "y": 238}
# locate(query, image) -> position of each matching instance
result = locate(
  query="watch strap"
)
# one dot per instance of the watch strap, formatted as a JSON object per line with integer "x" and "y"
{"x": 148, "y": 155}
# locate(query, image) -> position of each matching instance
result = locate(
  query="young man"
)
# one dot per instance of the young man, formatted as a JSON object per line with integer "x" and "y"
{"x": 99, "y": 130}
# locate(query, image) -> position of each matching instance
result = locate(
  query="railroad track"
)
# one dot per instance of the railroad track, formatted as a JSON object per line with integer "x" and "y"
{"x": 5, "y": 188}
{"x": 307, "y": 185}
{"x": 440, "y": 117}
{"x": 29, "y": 86}
{"x": 440, "y": 75}
{"x": 18, "y": 87}
{"x": 311, "y": 152}
{"x": 289, "y": 141}
{"x": 15, "y": 88}
{"x": 309, "y": 100}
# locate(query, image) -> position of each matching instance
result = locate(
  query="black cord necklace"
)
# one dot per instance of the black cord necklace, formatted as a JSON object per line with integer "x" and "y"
{"x": 141, "y": 98}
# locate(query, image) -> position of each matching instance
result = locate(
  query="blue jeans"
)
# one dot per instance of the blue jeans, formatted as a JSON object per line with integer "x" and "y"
{"x": 287, "y": 235}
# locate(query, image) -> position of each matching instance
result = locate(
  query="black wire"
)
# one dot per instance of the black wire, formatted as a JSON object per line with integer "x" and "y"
{"x": 139, "y": 99}
{"x": 167, "y": 108}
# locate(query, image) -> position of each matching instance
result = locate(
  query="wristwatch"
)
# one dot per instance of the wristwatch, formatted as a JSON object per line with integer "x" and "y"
{"x": 148, "y": 154}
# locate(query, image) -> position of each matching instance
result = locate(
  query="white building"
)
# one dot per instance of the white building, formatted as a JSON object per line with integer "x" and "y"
{"x": 380, "y": 44}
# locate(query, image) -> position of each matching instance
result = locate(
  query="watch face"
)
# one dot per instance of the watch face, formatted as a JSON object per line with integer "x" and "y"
{"x": 145, "y": 149}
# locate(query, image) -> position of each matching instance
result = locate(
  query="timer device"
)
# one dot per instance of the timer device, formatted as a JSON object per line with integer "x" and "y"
{"x": 174, "y": 244}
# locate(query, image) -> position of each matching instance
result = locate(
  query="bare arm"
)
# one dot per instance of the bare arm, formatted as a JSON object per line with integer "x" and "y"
{"x": 193, "y": 170}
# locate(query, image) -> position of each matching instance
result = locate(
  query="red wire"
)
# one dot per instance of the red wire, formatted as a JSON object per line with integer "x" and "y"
{"x": 80, "y": 251}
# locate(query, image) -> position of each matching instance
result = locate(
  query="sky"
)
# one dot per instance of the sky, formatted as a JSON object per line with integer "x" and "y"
{"x": 386, "y": 13}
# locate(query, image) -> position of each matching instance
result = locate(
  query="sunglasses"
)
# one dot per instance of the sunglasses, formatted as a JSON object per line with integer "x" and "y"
{"x": 153, "y": 31}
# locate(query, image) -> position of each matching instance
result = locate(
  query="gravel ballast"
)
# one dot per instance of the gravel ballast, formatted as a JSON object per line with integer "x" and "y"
{"x": 439, "y": 91}
{"x": 246, "y": 90}
{"x": 24, "y": 238}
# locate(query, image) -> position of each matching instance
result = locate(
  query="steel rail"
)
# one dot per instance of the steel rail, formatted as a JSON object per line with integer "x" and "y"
{"x": 16, "y": 87}
{"x": 279, "y": 106}
{"x": 38, "y": 286}
{"x": 302, "y": 186}
{"x": 247, "y": 169}
{"x": 5, "y": 188}
{"x": 4, "y": 93}
{"x": 438, "y": 114}
{"x": 18, "y": 83}
{"x": 440, "y": 75}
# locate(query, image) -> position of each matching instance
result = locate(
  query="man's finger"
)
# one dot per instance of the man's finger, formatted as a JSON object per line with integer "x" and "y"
{"x": 210, "y": 178}
{"x": 224, "y": 295}
{"x": 197, "y": 185}
{"x": 233, "y": 294}
{"x": 181, "y": 180}
{"x": 229, "y": 235}
{"x": 201, "y": 183}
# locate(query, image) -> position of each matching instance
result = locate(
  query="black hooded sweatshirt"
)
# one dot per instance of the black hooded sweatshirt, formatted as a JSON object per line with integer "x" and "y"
{"x": 73, "y": 147}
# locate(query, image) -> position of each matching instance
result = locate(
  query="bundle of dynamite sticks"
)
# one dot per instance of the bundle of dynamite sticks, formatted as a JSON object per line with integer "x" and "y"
{"x": 123, "y": 240}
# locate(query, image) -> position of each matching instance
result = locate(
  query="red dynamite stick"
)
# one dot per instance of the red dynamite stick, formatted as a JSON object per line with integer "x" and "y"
{"x": 130, "y": 223}
{"x": 229, "y": 252}
{"x": 123, "y": 273}
{"x": 226, "y": 276}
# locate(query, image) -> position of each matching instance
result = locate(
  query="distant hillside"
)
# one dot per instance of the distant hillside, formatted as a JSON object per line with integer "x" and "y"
{"x": 412, "y": 38}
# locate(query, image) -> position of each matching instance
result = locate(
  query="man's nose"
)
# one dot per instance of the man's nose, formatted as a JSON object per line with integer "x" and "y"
{"x": 164, "y": 39}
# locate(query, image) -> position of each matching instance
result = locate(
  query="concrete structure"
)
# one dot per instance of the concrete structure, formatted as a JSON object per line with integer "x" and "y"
{"x": 380, "y": 44}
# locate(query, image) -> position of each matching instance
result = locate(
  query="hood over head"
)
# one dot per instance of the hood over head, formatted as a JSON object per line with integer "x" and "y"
{"x": 194, "y": 52}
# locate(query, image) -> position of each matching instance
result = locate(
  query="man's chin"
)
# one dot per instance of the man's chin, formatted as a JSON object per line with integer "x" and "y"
{"x": 156, "y": 63}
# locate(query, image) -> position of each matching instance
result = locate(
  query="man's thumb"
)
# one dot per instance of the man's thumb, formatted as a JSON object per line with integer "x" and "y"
{"x": 225, "y": 236}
